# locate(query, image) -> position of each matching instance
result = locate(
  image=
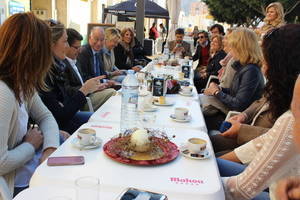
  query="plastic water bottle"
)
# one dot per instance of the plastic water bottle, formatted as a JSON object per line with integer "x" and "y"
{"x": 129, "y": 112}
{"x": 166, "y": 52}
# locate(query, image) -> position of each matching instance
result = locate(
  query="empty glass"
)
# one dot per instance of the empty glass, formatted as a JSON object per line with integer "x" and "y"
{"x": 87, "y": 188}
{"x": 60, "y": 198}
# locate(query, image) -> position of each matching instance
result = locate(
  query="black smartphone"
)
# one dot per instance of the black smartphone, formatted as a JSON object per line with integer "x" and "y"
{"x": 133, "y": 193}
{"x": 117, "y": 87}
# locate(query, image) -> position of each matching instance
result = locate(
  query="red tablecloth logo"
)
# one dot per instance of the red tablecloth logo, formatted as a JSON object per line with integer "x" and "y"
{"x": 104, "y": 115}
{"x": 186, "y": 181}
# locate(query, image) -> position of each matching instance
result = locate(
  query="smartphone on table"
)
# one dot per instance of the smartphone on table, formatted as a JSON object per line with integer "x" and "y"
{"x": 136, "y": 194}
{"x": 65, "y": 160}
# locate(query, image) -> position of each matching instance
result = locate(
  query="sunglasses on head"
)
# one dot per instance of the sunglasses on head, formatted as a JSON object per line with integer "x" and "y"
{"x": 52, "y": 22}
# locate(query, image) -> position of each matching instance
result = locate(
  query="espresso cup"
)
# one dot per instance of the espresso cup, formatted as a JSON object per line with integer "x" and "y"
{"x": 86, "y": 136}
{"x": 181, "y": 113}
{"x": 147, "y": 102}
{"x": 187, "y": 90}
{"x": 196, "y": 145}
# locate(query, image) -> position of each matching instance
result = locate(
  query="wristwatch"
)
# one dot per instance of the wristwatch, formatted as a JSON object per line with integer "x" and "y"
{"x": 216, "y": 92}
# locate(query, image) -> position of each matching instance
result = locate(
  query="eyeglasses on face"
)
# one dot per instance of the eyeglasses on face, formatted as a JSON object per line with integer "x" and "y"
{"x": 76, "y": 47}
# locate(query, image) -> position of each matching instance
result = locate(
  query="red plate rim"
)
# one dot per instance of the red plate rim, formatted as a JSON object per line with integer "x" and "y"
{"x": 169, "y": 155}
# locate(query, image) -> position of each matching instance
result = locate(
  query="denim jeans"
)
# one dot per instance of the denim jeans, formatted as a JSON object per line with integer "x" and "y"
{"x": 229, "y": 168}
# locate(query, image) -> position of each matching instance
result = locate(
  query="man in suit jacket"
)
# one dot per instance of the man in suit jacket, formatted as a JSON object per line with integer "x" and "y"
{"x": 90, "y": 60}
{"x": 74, "y": 81}
{"x": 179, "y": 47}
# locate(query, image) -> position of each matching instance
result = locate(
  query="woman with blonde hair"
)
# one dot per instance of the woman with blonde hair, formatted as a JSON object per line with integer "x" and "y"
{"x": 25, "y": 59}
{"x": 274, "y": 18}
{"x": 216, "y": 55}
{"x": 248, "y": 82}
{"x": 124, "y": 51}
{"x": 112, "y": 39}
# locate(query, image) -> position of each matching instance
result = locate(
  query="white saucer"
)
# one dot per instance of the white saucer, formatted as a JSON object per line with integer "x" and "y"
{"x": 75, "y": 143}
{"x": 185, "y": 94}
{"x": 172, "y": 116}
{"x": 185, "y": 152}
{"x": 143, "y": 93}
{"x": 167, "y": 103}
{"x": 151, "y": 109}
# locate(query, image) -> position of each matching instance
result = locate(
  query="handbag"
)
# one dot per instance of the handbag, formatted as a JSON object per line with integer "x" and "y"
{"x": 210, "y": 105}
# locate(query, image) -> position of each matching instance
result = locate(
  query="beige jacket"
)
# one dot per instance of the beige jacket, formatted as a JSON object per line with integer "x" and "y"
{"x": 260, "y": 121}
{"x": 13, "y": 155}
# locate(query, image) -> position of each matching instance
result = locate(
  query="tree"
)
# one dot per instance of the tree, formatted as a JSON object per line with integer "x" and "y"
{"x": 249, "y": 12}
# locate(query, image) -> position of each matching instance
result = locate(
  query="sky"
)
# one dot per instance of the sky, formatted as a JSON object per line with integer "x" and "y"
{"x": 185, "y": 4}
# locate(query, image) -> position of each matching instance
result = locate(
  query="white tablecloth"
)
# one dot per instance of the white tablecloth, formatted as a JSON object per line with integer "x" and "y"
{"x": 180, "y": 179}
{"x": 110, "y": 112}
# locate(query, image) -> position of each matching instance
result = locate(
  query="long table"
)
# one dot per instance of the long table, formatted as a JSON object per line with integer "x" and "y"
{"x": 180, "y": 179}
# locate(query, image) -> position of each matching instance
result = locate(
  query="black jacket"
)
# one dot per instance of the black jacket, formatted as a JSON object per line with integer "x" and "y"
{"x": 247, "y": 86}
{"x": 121, "y": 57}
{"x": 85, "y": 62}
{"x": 214, "y": 65}
{"x": 72, "y": 81}
{"x": 57, "y": 100}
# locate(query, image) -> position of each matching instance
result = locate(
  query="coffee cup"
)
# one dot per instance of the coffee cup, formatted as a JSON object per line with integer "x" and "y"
{"x": 86, "y": 136}
{"x": 187, "y": 89}
{"x": 181, "y": 113}
{"x": 196, "y": 145}
{"x": 147, "y": 102}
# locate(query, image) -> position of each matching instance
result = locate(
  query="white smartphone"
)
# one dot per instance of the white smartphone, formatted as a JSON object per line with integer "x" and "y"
{"x": 135, "y": 194}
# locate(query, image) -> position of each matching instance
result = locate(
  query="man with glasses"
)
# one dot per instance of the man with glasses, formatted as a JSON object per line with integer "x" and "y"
{"x": 98, "y": 95}
{"x": 202, "y": 51}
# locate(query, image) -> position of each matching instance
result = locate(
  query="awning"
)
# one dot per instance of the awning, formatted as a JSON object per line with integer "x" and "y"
{"x": 128, "y": 9}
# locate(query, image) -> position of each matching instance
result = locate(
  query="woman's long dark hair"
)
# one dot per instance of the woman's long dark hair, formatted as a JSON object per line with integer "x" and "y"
{"x": 281, "y": 50}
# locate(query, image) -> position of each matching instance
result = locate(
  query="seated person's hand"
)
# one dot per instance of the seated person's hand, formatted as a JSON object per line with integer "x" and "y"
{"x": 64, "y": 134}
{"x": 233, "y": 131}
{"x": 103, "y": 86}
{"x": 288, "y": 188}
{"x": 212, "y": 89}
{"x": 111, "y": 83}
{"x": 91, "y": 85}
{"x": 203, "y": 75}
{"x": 34, "y": 137}
{"x": 46, "y": 153}
{"x": 238, "y": 118}
{"x": 116, "y": 73}
{"x": 136, "y": 68}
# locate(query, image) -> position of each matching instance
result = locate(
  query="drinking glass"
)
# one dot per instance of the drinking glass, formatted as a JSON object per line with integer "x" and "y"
{"x": 60, "y": 198}
{"x": 147, "y": 119}
{"x": 87, "y": 188}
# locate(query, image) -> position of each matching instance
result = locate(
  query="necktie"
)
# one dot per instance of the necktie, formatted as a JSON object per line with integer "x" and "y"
{"x": 97, "y": 64}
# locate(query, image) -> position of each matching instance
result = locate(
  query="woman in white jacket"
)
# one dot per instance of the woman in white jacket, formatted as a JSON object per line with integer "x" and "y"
{"x": 25, "y": 58}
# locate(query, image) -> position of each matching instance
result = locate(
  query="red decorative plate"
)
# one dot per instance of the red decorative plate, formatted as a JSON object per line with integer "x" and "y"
{"x": 169, "y": 148}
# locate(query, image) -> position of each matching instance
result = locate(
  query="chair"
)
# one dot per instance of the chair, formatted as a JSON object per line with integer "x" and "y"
{"x": 211, "y": 77}
{"x": 90, "y": 105}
